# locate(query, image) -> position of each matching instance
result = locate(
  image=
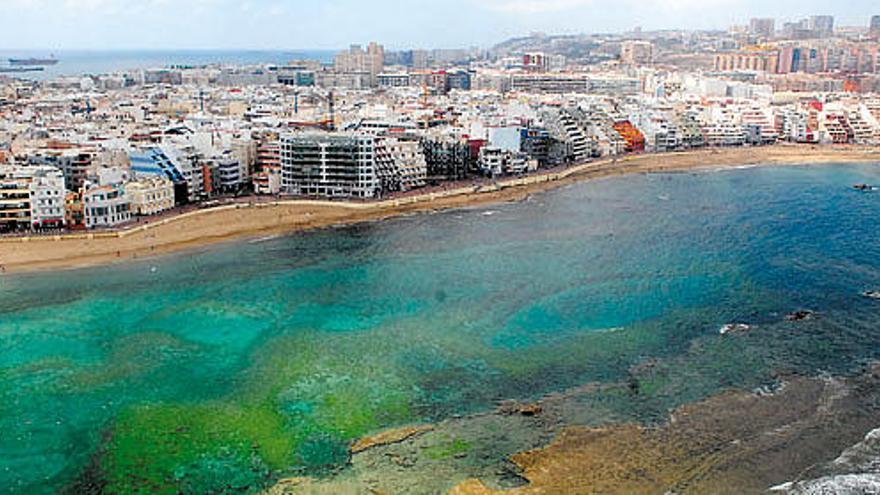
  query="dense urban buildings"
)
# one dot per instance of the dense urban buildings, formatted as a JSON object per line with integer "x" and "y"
{"x": 106, "y": 150}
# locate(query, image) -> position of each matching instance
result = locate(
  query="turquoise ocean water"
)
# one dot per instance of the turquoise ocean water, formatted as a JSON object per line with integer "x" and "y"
{"x": 249, "y": 361}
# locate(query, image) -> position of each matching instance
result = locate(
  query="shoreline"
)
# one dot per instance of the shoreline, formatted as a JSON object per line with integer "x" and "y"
{"x": 207, "y": 227}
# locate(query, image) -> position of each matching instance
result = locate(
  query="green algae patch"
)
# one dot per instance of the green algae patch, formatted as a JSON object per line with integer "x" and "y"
{"x": 154, "y": 448}
{"x": 330, "y": 385}
{"x": 448, "y": 448}
{"x": 352, "y": 411}
{"x": 297, "y": 411}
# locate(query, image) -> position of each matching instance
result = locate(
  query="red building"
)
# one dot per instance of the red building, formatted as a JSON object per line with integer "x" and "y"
{"x": 635, "y": 140}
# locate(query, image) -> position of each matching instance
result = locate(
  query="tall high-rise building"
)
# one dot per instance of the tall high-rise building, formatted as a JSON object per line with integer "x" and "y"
{"x": 822, "y": 25}
{"x": 875, "y": 26}
{"x": 762, "y": 27}
{"x": 370, "y": 62}
{"x": 420, "y": 59}
{"x": 799, "y": 30}
{"x": 376, "y": 57}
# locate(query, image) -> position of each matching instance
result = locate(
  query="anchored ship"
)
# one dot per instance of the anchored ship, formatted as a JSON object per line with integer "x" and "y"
{"x": 8, "y": 70}
{"x": 32, "y": 62}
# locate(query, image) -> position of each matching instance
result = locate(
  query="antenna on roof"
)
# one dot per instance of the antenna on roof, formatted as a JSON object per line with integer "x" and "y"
{"x": 332, "y": 105}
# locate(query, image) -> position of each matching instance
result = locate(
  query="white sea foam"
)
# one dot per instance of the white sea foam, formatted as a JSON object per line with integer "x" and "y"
{"x": 859, "y": 466}
{"x": 847, "y": 484}
{"x": 734, "y": 328}
{"x": 264, "y": 239}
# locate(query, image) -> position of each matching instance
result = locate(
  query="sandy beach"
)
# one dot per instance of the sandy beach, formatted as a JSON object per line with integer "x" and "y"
{"x": 241, "y": 221}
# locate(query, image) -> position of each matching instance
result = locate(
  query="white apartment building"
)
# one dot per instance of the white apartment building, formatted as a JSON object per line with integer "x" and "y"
{"x": 724, "y": 134}
{"x": 564, "y": 126}
{"x": 105, "y": 206}
{"x": 491, "y": 160}
{"x": 495, "y": 161}
{"x": 31, "y": 197}
{"x": 47, "y": 197}
{"x": 863, "y": 131}
{"x": 796, "y": 128}
{"x": 233, "y": 173}
{"x": 186, "y": 160}
{"x": 660, "y": 133}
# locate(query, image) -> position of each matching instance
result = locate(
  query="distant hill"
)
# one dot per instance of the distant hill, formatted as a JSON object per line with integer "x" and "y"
{"x": 572, "y": 46}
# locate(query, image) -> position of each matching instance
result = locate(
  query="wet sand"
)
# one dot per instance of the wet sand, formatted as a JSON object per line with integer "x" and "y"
{"x": 241, "y": 221}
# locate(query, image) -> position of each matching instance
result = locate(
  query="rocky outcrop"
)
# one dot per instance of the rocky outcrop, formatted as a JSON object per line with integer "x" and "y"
{"x": 736, "y": 442}
{"x": 389, "y": 437}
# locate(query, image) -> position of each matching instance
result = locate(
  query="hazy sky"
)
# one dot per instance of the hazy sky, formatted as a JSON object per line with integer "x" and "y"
{"x": 285, "y": 24}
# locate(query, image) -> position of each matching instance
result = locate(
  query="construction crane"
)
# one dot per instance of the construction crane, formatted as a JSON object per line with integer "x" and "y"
{"x": 331, "y": 104}
{"x": 329, "y": 123}
{"x": 426, "y": 92}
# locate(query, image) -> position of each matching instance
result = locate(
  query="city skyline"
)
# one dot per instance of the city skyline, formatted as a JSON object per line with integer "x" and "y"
{"x": 273, "y": 24}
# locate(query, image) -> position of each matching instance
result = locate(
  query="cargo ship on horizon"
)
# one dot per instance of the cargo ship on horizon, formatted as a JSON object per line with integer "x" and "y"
{"x": 16, "y": 70}
{"x": 32, "y": 62}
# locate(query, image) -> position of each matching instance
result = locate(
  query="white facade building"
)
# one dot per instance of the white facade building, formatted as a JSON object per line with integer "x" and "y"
{"x": 105, "y": 206}
{"x": 31, "y": 196}
{"x": 47, "y": 197}
{"x": 233, "y": 173}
